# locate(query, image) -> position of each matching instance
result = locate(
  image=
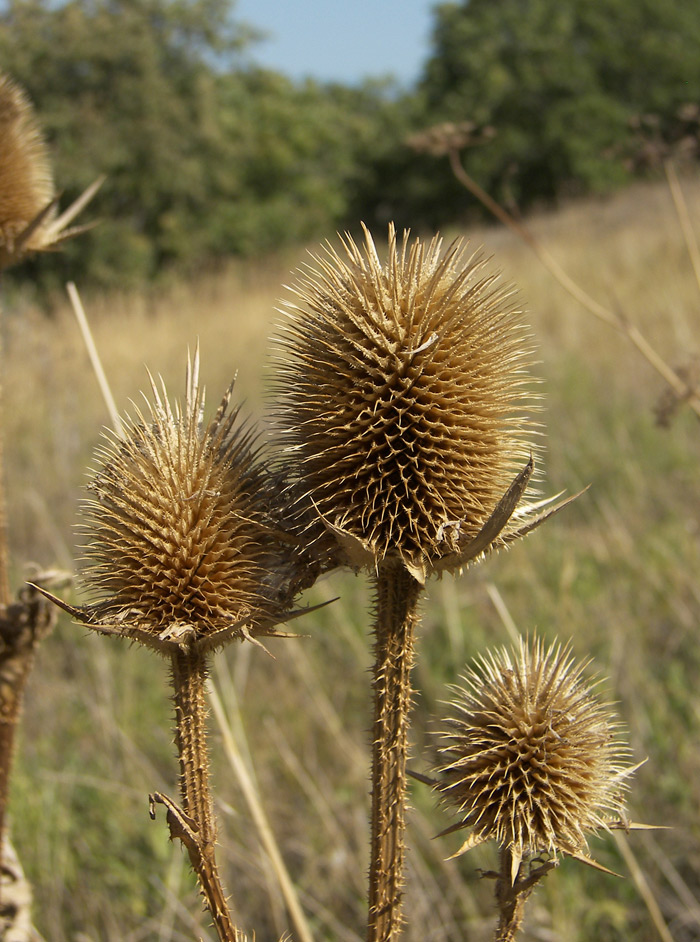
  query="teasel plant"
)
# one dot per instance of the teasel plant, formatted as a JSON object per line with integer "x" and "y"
{"x": 530, "y": 757}
{"x": 404, "y": 412}
{"x": 29, "y": 222}
{"x": 29, "y": 217}
{"x": 182, "y": 555}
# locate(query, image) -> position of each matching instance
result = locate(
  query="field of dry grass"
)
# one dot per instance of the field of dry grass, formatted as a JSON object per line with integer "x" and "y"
{"x": 616, "y": 573}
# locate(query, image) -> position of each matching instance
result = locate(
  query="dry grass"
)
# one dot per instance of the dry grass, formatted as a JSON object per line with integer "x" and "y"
{"x": 617, "y": 573}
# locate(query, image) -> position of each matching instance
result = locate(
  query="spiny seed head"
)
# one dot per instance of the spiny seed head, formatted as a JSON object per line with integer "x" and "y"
{"x": 530, "y": 757}
{"x": 26, "y": 182}
{"x": 176, "y": 546}
{"x": 402, "y": 390}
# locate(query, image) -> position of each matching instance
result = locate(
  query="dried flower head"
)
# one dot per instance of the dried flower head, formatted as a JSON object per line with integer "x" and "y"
{"x": 28, "y": 218}
{"x": 441, "y": 139}
{"x": 403, "y": 387}
{"x": 26, "y": 181}
{"x": 532, "y": 759}
{"x": 178, "y": 552}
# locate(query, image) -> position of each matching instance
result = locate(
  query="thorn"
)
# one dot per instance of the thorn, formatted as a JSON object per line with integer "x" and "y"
{"x": 245, "y": 631}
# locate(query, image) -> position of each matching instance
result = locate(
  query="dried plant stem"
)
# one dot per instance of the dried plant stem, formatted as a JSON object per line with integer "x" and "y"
{"x": 23, "y": 624}
{"x": 194, "y": 822}
{"x": 14, "y": 665}
{"x": 95, "y": 360}
{"x": 616, "y": 320}
{"x": 643, "y": 887}
{"x": 681, "y": 207}
{"x": 512, "y": 896}
{"x": 4, "y": 553}
{"x": 265, "y": 830}
{"x": 396, "y": 617}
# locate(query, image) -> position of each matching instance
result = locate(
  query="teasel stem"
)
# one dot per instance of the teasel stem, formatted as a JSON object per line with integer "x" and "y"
{"x": 511, "y": 896}
{"x": 396, "y": 617}
{"x": 194, "y": 822}
{"x": 23, "y": 625}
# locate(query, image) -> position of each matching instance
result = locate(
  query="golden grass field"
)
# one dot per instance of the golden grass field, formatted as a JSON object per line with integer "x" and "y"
{"x": 617, "y": 573}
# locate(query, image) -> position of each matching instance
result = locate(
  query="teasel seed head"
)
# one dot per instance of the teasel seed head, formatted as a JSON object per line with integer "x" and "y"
{"x": 178, "y": 550}
{"x": 530, "y": 757}
{"x": 29, "y": 221}
{"x": 26, "y": 180}
{"x": 404, "y": 392}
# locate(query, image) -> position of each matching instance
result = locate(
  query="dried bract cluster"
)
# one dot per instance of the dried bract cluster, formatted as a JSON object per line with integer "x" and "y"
{"x": 28, "y": 218}
{"x": 403, "y": 387}
{"x": 532, "y": 759}
{"x": 177, "y": 548}
{"x": 26, "y": 181}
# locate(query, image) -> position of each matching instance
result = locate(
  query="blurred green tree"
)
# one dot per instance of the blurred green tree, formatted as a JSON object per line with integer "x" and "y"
{"x": 205, "y": 156}
{"x": 560, "y": 81}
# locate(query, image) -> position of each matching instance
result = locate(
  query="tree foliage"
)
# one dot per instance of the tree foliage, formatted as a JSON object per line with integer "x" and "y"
{"x": 203, "y": 156}
{"x": 207, "y": 156}
{"x": 560, "y": 81}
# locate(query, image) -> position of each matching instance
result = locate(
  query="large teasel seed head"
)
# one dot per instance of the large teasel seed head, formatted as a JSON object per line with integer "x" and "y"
{"x": 530, "y": 757}
{"x": 177, "y": 546}
{"x": 26, "y": 181}
{"x": 403, "y": 390}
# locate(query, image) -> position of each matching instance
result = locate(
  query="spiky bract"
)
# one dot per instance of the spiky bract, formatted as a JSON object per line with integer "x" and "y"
{"x": 532, "y": 758}
{"x": 402, "y": 389}
{"x": 26, "y": 182}
{"x": 177, "y": 551}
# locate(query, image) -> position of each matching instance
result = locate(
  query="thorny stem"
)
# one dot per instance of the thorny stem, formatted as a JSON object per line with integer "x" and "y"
{"x": 618, "y": 321}
{"x": 511, "y": 897}
{"x": 396, "y": 617}
{"x": 13, "y": 678}
{"x": 194, "y": 823}
{"x": 23, "y": 625}
{"x": 4, "y": 553}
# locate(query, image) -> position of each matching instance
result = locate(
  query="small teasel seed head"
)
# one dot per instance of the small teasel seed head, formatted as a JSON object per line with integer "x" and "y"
{"x": 529, "y": 755}
{"x": 26, "y": 181}
{"x": 177, "y": 550}
{"x": 403, "y": 388}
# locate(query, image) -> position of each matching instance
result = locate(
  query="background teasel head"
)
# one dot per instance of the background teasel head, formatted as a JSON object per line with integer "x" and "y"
{"x": 26, "y": 181}
{"x": 28, "y": 218}
{"x": 178, "y": 551}
{"x": 530, "y": 758}
{"x": 403, "y": 388}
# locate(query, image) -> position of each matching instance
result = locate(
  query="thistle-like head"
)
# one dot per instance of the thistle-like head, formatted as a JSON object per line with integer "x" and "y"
{"x": 530, "y": 757}
{"x": 28, "y": 218}
{"x": 404, "y": 393}
{"x": 26, "y": 180}
{"x": 178, "y": 545}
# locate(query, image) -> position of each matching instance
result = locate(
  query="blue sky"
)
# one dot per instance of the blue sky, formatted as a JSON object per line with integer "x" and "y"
{"x": 341, "y": 40}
